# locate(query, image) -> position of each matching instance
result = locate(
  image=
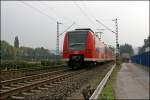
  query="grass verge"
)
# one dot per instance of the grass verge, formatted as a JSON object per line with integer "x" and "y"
{"x": 109, "y": 90}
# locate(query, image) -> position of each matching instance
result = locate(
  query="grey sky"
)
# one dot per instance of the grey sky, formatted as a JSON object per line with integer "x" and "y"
{"x": 35, "y": 29}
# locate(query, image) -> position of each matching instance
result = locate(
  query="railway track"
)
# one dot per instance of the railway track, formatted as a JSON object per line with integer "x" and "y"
{"x": 51, "y": 85}
{"x": 11, "y": 74}
{"x": 10, "y": 88}
{"x": 33, "y": 68}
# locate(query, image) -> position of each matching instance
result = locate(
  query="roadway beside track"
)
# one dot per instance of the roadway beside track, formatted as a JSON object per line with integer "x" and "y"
{"x": 132, "y": 82}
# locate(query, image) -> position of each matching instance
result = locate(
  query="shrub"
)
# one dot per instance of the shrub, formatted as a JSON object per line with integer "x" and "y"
{"x": 59, "y": 62}
{"x": 45, "y": 63}
{"x": 51, "y": 62}
{"x": 17, "y": 65}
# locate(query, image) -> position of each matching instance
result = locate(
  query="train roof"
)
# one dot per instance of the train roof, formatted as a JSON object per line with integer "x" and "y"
{"x": 88, "y": 29}
{"x": 82, "y": 29}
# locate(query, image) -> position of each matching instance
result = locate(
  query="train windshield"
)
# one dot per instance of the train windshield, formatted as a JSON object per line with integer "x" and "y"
{"x": 77, "y": 40}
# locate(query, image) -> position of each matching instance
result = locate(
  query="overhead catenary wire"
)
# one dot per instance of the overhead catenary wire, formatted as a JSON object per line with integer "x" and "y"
{"x": 82, "y": 11}
{"x": 92, "y": 15}
{"x": 105, "y": 26}
{"x": 36, "y": 9}
{"x": 57, "y": 15}
{"x": 67, "y": 28}
{"x": 89, "y": 11}
{"x": 50, "y": 8}
{"x": 55, "y": 20}
{"x": 54, "y": 11}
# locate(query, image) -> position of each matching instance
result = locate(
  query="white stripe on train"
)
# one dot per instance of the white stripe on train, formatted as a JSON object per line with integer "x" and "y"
{"x": 91, "y": 59}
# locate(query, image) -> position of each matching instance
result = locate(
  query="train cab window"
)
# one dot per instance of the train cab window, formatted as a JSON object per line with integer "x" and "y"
{"x": 77, "y": 40}
{"x": 102, "y": 50}
{"x": 98, "y": 49}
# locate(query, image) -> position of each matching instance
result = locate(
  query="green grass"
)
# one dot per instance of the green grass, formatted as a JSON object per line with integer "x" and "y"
{"x": 109, "y": 90}
{"x": 22, "y": 64}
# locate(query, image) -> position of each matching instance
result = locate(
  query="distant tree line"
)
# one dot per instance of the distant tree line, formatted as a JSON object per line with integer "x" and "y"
{"x": 9, "y": 52}
{"x": 145, "y": 45}
{"x": 126, "y": 48}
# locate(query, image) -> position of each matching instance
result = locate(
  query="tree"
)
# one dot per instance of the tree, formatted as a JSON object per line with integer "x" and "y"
{"x": 16, "y": 42}
{"x": 6, "y": 51}
{"x": 146, "y": 44}
{"x": 126, "y": 48}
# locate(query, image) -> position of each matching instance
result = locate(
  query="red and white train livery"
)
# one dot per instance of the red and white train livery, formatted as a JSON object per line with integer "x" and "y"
{"x": 82, "y": 45}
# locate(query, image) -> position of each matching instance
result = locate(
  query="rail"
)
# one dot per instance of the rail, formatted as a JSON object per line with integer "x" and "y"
{"x": 11, "y": 74}
{"x": 100, "y": 87}
{"x": 6, "y": 82}
{"x": 37, "y": 83}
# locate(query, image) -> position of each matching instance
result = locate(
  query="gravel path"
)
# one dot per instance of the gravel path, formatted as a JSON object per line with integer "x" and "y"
{"x": 132, "y": 82}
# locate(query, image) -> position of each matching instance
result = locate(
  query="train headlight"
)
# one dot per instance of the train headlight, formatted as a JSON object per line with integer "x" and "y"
{"x": 88, "y": 51}
{"x": 65, "y": 51}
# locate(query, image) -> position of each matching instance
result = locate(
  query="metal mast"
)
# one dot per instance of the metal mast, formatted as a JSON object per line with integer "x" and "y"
{"x": 57, "y": 42}
{"x": 117, "y": 44}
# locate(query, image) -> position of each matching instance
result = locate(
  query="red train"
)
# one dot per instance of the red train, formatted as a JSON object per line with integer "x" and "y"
{"x": 82, "y": 45}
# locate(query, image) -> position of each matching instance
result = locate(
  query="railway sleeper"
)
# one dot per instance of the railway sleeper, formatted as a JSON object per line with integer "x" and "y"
{"x": 21, "y": 83}
{"x": 58, "y": 96}
{"x": 42, "y": 88}
{"x": 48, "y": 86}
{"x": 14, "y": 85}
{"x": 2, "y": 90}
{"x": 57, "y": 82}
{"x": 27, "y": 82}
{"x": 36, "y": 91}
{"x": 18, "y": 97}
{"x": 27, "y": 93}
{"x": 54, "y": 84}
{"x": 5, "y": 87}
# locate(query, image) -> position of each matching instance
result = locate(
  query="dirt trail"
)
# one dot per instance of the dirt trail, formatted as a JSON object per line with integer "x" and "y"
{"x": 132, "y": 82}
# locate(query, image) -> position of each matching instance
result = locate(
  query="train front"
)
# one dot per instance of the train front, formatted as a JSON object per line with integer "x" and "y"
{"x": 74, "y": 47}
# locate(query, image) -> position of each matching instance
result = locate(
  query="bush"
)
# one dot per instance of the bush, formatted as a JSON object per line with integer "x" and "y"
{"x": 45, "y": 63}
{"x": 17, "y": 65}
{"x": 59, "y": 62}
{"x": 51, "y": 62}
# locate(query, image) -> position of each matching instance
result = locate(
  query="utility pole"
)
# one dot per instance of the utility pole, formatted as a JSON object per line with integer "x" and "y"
{"x": 57, "y": 42}
{"x": 117, "y": 44}
{"x": 58, "y": 35}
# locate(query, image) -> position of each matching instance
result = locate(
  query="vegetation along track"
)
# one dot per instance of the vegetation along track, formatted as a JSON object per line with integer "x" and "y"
{"x": 11, "y": 74}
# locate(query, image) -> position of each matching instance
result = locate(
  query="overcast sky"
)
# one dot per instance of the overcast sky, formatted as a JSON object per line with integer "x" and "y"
{"x": 35, "y": 21}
